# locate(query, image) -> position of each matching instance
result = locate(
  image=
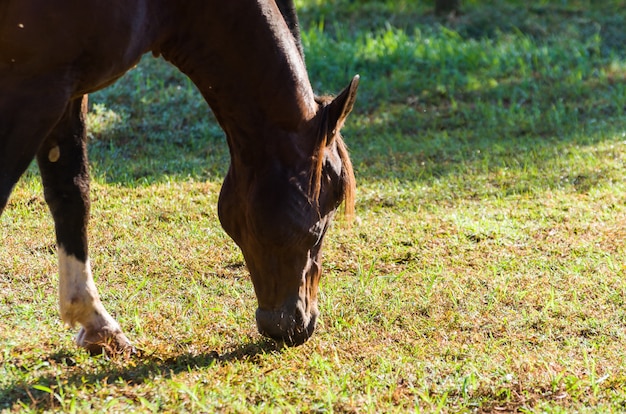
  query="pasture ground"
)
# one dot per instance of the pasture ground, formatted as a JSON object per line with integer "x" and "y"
{"x": 485, "y": 271}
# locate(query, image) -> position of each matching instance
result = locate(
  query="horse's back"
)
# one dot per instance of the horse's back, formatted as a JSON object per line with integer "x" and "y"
{"x": 53, "y": 53}
{"x": 86, "y": 44}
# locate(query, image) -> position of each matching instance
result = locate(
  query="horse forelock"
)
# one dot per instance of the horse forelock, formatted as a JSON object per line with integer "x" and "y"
{"x": 347, "y": 172}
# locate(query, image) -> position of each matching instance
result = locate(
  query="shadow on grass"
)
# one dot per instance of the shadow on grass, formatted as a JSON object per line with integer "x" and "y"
{"x": 134, "y": 370}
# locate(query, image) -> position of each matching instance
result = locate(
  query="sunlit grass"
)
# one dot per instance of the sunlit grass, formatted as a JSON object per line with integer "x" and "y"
{"x": 485, "y": 270}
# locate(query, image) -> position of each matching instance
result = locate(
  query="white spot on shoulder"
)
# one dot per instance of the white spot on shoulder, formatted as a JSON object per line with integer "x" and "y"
{"x": 20, "y": 25}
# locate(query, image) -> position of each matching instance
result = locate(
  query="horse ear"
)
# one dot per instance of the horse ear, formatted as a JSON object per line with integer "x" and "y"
{"x": 340, "y": 107}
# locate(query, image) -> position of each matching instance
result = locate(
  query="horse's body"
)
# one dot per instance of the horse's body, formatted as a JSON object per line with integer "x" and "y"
{"x": 289, "y": 168}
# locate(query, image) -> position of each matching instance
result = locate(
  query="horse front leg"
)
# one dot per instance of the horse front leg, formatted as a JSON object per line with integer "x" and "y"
{"x": 62, "y": 160}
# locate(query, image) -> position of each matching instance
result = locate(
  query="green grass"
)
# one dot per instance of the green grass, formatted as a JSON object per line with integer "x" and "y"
{"x": 485, "y": 271}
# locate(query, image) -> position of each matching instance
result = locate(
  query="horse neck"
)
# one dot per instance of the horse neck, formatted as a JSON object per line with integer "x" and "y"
{"x": 245, "y": 62}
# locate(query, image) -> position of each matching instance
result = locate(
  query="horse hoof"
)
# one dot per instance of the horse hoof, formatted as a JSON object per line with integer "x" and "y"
{"x": 105, "y": 342}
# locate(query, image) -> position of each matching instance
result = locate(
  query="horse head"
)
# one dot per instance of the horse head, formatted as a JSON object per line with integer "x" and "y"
{"x": 278, "y": 214}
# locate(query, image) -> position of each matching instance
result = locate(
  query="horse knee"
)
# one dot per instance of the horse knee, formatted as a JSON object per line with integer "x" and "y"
{"x": 4, "y": 199}
{"x": 62, "y": 158}
{"x": 8, "y": 179}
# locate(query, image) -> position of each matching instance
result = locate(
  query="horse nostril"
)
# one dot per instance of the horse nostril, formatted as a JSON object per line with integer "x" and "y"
{"x": 292, "y": 328}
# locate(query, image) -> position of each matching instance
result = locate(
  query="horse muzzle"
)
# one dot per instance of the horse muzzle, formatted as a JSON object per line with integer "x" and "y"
{"x": 293, "y": 327}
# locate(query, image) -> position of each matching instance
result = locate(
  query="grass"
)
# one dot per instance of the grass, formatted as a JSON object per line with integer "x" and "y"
{"x": 485, "y": 271}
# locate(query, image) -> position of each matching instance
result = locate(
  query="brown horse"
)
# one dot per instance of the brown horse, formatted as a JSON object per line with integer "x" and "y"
{"x": 289, "y": 168}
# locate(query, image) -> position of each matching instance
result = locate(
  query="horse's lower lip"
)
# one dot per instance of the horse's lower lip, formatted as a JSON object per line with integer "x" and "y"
{"x": 278, "y": 325}
{"x": 290, "y": 339}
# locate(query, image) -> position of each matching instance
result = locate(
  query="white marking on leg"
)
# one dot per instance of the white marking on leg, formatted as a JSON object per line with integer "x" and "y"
{"x": 54, "y": 154}
{"x": 78, "y": 296}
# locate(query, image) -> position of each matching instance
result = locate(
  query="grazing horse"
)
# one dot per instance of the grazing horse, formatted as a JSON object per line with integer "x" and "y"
{"x": 289, "y": 169}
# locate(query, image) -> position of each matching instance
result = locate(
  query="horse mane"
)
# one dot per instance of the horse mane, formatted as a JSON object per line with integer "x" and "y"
{"x": 325, "y": 136}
